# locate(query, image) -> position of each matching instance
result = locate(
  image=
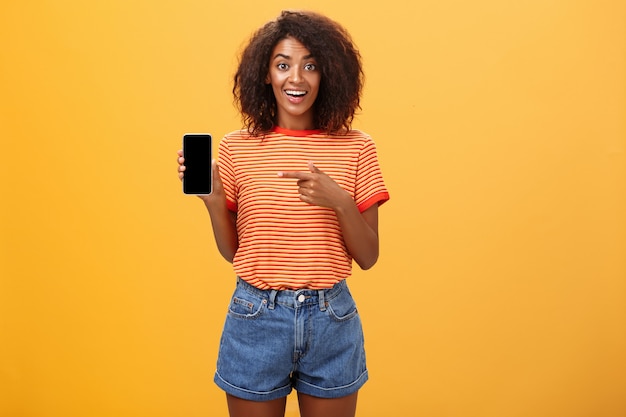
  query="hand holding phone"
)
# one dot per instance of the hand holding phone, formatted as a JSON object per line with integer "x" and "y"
{"x": 198, "y": 156}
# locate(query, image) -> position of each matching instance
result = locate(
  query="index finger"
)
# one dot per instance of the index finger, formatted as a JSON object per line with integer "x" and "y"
{"x": 295, "y": 174}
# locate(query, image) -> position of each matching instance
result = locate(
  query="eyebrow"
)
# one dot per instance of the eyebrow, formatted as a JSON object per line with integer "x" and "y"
{"x": 288, "y": 57}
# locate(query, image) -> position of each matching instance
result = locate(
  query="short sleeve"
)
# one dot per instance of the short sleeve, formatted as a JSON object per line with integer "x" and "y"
{"x": 227, "y": 174}
{"x": 370, "y": 188}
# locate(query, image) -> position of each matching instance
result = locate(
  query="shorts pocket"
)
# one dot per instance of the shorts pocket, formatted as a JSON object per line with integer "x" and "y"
{"x": 342, "y": 307}
{"x": 246, "y": 307}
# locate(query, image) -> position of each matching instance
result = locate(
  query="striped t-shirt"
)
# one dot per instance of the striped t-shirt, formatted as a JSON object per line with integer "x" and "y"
{"x": 285, "y": 243}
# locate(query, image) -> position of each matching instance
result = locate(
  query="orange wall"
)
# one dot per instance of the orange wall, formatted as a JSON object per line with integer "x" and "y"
{"x": 501, "y": 128}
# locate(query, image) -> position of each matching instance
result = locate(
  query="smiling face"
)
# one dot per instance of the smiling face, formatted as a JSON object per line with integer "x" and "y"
{"x": 295, "y": 80}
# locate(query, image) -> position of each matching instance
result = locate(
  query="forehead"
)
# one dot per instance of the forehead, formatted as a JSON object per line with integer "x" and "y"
{"x": 290, "y": 47}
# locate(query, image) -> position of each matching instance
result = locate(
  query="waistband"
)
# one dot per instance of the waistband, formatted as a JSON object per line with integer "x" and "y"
{"x": 295, "y": 298}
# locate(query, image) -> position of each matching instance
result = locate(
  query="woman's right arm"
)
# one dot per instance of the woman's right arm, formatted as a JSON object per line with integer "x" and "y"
{"x": 222, "y": 219}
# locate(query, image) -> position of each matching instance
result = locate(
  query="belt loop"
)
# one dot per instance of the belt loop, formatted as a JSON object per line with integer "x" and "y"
{"x": 272, "y": 299}
{"x": 320, "y": 294}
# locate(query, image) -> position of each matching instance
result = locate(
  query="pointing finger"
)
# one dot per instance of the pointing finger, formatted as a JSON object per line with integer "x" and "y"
{"x": 294, "y": 174}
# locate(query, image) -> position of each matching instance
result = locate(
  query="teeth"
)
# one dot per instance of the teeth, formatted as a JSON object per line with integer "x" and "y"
{"x": 295, "y": 92}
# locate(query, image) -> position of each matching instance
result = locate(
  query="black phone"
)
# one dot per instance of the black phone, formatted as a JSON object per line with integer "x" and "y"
{"x": 198, "y": 156}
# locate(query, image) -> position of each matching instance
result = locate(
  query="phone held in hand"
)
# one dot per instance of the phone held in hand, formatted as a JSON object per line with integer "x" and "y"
{"x": 198, "y": 156}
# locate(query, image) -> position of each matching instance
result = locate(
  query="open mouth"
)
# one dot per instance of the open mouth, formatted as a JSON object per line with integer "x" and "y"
{"x": 295, "y": 93}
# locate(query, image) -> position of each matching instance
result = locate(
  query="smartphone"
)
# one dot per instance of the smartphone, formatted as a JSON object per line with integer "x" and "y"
{"x": 198, "y": 156}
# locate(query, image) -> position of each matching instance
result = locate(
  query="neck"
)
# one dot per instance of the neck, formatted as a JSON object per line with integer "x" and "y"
{"x": 296, "y": 123}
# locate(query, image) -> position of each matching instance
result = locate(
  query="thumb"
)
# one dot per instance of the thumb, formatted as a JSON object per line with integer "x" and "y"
{"x": 313, "y": 168}
{"x": 216, "y": 172}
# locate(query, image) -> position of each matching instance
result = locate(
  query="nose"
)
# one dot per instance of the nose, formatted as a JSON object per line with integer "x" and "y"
{"x": 295, "y": 75}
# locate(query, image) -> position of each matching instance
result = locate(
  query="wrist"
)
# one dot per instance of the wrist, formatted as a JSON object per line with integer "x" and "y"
{"x": 345, "y": 204}
{"x": 214, "y": 203}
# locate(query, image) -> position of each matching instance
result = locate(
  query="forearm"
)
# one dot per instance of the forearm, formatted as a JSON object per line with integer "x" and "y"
{"x": 360, "y": 232}
{"x": 224, "y": 226}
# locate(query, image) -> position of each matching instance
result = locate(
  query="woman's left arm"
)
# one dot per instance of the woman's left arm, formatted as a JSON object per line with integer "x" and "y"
{"x": 360, "y": 230}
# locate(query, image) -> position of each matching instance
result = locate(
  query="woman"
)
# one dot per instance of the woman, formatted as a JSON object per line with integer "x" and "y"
{"x": 295, "y": 199}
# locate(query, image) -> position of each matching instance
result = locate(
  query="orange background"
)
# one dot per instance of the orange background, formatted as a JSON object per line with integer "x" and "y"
{"x": 501, "y": 130}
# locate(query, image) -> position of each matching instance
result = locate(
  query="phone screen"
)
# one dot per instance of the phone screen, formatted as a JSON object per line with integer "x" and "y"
{"x": 197, "y": 154}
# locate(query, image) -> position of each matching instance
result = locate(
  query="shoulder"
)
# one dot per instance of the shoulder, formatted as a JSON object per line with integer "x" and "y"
{"x": 237, "y": 138}
{"x": 358, "y": 137}
{"x": 237, "y": 135}
{"x": 357, "y": 133}
{"x": 244, "y": 135}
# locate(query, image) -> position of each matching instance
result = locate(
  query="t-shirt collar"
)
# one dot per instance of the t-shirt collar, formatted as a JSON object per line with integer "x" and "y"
{"x": 290, "y": 132}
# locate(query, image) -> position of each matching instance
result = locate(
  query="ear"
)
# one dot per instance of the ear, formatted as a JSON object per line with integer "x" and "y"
{"x": 268, "y": 80}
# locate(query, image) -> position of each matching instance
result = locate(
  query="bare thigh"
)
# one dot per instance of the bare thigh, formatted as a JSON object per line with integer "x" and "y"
{"x": 327, "y": 407}
{"x": 238, "y": 407}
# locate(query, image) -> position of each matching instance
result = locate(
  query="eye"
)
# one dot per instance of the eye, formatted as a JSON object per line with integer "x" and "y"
{"x": 310, "y": 67}
{"x": 282, "y": 66}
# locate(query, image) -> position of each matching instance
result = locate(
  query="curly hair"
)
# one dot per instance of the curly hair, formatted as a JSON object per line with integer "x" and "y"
{"x": 337, "y": 58}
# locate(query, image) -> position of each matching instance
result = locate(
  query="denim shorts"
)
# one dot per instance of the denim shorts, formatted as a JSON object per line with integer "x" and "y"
{"x": 276, "y": 341}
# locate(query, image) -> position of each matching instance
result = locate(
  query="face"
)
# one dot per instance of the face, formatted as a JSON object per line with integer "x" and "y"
{"x": 295, "y": 80}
